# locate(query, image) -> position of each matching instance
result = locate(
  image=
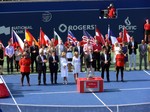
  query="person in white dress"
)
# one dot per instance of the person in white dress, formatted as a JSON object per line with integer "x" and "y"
{"x": 76, "y": 63}
{"x": 116, "y": 51}
{"x": 64, "y": 67}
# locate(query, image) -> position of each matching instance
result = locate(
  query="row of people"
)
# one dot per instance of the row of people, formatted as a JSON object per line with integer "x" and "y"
{"x": 54, "y": 60}
{"x": 33, "y": 51}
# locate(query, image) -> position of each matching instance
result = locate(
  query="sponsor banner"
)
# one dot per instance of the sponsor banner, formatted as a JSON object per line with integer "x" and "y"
{"x": 76, "y": 21}
{"x": 61, "y": 22}
{"x": 132, "y": 19}
{"x": 92, "y": 84}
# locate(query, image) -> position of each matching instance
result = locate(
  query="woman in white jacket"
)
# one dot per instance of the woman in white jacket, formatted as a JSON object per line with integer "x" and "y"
{"x": 64, "y": 67}
{"x": 76, "y": 65}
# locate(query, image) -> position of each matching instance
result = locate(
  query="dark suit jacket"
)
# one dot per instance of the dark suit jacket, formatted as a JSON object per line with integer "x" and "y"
{"x": 143, "y": 51}
{"x": 34, "y": 55}
{"x": 53, "y": 66}
{"x": 130, "y": 47}
{"x": 103, "y": 59}
{"x": 40, "y": 63}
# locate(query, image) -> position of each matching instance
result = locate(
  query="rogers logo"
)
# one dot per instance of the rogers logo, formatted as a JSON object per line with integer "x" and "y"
{"x": 63, "y": 27}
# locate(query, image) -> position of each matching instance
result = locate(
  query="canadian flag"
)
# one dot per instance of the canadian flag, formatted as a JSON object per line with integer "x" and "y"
{"x": 99, "y": 37}
{"x": 126, "y": 36}
{"x": 44, "y": 40}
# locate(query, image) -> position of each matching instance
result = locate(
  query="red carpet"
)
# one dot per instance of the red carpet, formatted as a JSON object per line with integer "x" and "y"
{"x": 3, "y": 90}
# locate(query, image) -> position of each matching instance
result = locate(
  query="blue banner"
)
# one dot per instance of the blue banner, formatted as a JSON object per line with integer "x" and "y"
{"x": 76, "y": 21}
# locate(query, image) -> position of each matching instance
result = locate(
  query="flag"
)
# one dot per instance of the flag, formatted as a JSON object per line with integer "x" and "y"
{"x": 57, "y": 38}
{"x": 29, "y": 38}
{"x": 16, "y": 40}
{"x": 111, "y": 36}
{"x": 87, "y": 36}
{"x": 99, "y": 37}
{"x": 43, "y": 40}
{"x": 71, "y": 38}
{"x": 126, "y": 36}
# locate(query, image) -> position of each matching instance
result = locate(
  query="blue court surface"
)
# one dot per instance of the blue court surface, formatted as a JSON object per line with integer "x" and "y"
{"x": 132, "y": 95}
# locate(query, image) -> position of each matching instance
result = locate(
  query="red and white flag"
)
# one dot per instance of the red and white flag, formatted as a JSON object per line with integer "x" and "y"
{"x": 99, "y": 37}
{"x": 43, "y": 40}
{"x": 126, "y": 36}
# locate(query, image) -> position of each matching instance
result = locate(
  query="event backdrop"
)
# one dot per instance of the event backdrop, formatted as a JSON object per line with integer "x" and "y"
{"x": 75, "y": 20}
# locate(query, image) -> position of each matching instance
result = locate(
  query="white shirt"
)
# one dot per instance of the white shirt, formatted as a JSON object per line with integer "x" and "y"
{"x": 42, "y": 59}
{"x": 105, "y": 57}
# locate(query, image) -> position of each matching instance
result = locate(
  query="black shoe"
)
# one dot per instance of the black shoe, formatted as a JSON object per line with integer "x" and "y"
{"x": 45, "y": 84}
{"x": 122, "y": 80}
{"x": 55, "y": 82}
{"x": 39, "y": 83}
{"x": 129, "y": 69}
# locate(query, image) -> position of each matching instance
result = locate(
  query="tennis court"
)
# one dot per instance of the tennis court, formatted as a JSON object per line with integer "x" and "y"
{"x": 132, "y": 95}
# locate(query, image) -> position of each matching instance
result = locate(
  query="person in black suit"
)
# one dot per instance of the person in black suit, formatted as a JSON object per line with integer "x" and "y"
{"x": 1, "y": 58}
{"x": 53, "y": 66}
{"x": 143, "y": 54}
{"x": 78, "y": 48}
{"x": 34, "y": 50}
{"x": 132, "y": 46}
{"x": 41, "y": 64}
{"x": 105, "y": 63}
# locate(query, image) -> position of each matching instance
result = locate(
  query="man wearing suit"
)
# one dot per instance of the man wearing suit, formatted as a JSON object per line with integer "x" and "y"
{"x": 143, "y": 54}
{"x": 53, "y": 66}
{"x": 41, "y": 62}
{"x": 34, "y": 50}
{"x": 105, "y": 63}
{"x": 132, "y": 46}
{"x": 79, "y": 49}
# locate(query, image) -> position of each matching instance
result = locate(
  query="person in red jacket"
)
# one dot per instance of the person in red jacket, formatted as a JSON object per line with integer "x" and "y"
{"x": 25, "y": 63}
{"x": 147, "y": 31}
{"x": 111, "y": 11}
{"x": 120, "y": 64}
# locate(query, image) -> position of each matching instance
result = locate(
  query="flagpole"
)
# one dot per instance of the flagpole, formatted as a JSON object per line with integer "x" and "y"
{"x": 40, "y": 43}
{"x": 95, "y": 32}
{"x": 108, "y": 32}
{"x": 12, "y": 35}
{"x": 25, "y": 34}
{"x": 123, "y": 34}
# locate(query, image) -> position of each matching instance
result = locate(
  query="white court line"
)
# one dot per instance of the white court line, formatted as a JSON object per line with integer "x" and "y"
{"x": 11, "y": 94}
{"x": 41, "y": 105}
{"x": 102, "y": 102}
{"x": 132, "y": 89}
{"x": 65, "y": 92}
{"x": 146, "y": 72}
